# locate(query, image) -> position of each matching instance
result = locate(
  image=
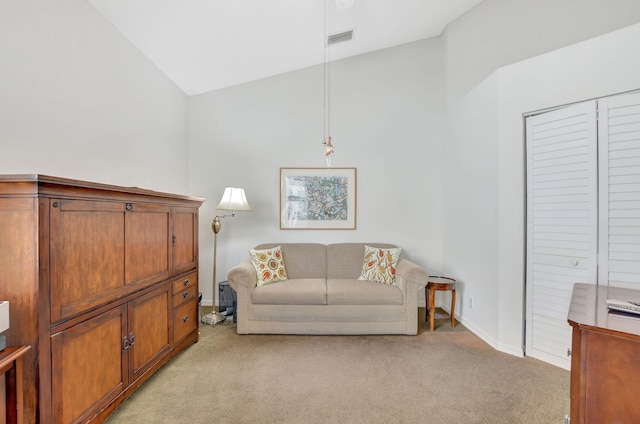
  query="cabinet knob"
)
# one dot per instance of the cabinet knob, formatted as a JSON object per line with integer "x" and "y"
{"x": 125, "y": 343}
{"x": 185, "y": 294}
{"x": 574, "y": 262}
{"x": 185, "y": 318}
{"x": 186, "y": 282}
{"x": 128, "y": 206}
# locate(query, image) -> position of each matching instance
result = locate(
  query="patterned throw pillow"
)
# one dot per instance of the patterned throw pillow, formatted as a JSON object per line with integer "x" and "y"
{"x": 379, "y": 265}
{"x": 269, "y": 265}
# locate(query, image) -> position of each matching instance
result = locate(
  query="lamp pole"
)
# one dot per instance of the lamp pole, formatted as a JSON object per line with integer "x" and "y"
{"x": 216, "y": 224}
{"x": 232, "y": 200}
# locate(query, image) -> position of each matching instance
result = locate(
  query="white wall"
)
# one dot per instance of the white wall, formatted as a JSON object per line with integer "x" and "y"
{"x": 603, "y": 66}
{"x": 77, "y": 100}
{"x": 497, "y": 33}
{"x": 483, "y": 233}
{"x": 386, "y": 120}
{"x": 492, "y": 114}
{"x": 470, "y": 240}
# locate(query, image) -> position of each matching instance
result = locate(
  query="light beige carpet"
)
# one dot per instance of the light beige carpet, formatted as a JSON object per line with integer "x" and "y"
{"x": 448, "y": 376}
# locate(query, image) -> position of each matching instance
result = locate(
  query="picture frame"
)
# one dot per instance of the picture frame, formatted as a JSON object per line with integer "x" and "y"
{"x": 318, "y": 198}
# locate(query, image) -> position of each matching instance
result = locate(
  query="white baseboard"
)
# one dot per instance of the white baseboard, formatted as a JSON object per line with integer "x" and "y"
{"x": 511, "y": 350}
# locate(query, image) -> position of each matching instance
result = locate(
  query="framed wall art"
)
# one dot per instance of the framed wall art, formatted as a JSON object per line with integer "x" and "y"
{"x": 318, "y": 198}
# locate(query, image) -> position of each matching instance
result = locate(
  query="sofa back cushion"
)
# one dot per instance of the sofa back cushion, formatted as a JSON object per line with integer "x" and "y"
{"x": 303, "y": 260}
{"x": 344, "y": 260}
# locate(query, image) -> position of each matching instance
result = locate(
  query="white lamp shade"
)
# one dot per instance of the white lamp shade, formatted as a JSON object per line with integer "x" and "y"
{"x": 4, "y": 315}
{"x": 233, "y": 199}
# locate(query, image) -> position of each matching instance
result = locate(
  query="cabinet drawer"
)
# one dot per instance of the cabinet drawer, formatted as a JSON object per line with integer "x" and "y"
{"x": 185, "y": 295}
{"x": 185, "y": 320}
{"x": 185, "y": 283}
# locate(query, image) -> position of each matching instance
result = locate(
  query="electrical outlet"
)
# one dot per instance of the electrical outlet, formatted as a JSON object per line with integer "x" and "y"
{"x": 470, "y": 302}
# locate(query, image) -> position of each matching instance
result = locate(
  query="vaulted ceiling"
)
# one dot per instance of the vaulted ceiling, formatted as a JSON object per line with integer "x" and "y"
{"x": 204, "y": 45}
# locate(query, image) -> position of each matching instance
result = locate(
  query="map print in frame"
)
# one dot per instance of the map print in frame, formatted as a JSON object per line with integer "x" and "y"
{"x": 318, "y": 198}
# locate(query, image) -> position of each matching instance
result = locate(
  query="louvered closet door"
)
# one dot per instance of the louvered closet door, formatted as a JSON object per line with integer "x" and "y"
{"x": 561, "y": 223}
{"x": 619, "y": 141}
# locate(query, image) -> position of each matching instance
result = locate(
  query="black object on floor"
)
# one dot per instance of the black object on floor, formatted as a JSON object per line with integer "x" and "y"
{"x": 227, "y": 299}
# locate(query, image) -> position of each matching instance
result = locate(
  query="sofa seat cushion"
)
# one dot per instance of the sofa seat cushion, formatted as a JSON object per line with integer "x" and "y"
{"x": 304, "y": 291}
{"x": 341, "y": 291}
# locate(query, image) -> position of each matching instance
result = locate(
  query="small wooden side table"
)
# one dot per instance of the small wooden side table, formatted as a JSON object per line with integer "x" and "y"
{"x": 11, "y": 367}
{"x": 439, "y": 283}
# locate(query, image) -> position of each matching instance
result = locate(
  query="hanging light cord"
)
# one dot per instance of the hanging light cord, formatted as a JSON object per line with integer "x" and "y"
{"x": 326, "y": 142}
{"x": 326, "y": 74}
{"x": 328, "y": 50}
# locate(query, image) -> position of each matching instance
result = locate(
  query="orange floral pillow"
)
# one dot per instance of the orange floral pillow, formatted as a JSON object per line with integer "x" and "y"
{"x": 379, "y": 265}
{"x": 269, "y": 265}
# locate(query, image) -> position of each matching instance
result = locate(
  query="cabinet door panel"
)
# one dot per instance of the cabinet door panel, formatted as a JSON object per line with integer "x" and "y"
{"x": 87, "y": 254}
{"x": 147, "y": 244}
{"x": 609, "y": 361}
{"x": 89, "y": 366}
{"x": 185, "y": 241}
{"x": 149, "y": 326}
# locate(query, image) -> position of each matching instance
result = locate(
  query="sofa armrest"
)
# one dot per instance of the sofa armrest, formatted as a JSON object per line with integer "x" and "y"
{"x": 243, "y": 276}
{"x": 414, "y": 276}
{"x": 411, "y": 278}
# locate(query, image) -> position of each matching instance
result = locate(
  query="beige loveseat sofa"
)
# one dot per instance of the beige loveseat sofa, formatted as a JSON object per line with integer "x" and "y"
{"x": 323, "y": 295}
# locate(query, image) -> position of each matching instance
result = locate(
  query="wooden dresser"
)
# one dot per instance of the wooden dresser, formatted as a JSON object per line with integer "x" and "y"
{"x": 605, "y": 359}
{"x": 103, "y": 285}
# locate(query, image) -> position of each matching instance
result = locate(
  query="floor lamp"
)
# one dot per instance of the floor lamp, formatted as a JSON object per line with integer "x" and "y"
{"x": 232, "y": 200}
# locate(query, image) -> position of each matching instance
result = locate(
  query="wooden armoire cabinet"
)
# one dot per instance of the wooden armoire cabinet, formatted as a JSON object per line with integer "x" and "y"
{"x": 604, "y": 356}
{"x": 103, "y": 285}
